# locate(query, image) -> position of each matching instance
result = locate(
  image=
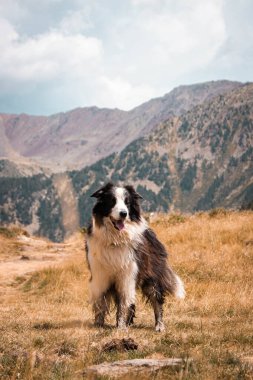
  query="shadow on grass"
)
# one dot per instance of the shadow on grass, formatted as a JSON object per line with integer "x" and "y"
{"x": 48, "y": 325}
{"x": 141, "y": 326}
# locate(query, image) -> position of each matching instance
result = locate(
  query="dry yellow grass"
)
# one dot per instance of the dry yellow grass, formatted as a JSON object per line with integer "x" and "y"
{"x": 46, "y": 329}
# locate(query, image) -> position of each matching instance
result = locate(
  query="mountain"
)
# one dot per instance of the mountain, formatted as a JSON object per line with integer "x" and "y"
{"x": 197, "y": 160}
{"x": 20, "y": 168}
{"x": 78, "y": 138}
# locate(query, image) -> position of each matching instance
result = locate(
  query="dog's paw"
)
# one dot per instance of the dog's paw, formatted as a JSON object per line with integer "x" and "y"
{"x": 99, "y": 323}
{"x": 159, "y": 327}
{"x": 122, "y": 327}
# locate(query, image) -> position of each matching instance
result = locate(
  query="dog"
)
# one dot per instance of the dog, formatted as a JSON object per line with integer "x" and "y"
{"x": 123, "y": 253}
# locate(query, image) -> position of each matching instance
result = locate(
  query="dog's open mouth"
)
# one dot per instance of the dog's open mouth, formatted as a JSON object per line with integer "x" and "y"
{"x": 118, "y": 224}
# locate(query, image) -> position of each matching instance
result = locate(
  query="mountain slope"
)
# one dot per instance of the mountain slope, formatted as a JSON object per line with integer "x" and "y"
{"x": 22, "y": 168}
{"x": 82, "y": 136}
{"x": 201, "y": 160}
{"x": 196, "y": 161}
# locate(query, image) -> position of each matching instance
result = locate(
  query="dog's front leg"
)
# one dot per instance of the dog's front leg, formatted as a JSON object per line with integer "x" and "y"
{"x": 99, "y": 284}
{"x": 121, "y": 314}
{"x": 100, "y": 308}
{"x": 125, "y": 286}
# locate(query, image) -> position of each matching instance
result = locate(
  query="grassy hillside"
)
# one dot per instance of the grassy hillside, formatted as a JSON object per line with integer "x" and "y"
{"x": 46, "y": 321}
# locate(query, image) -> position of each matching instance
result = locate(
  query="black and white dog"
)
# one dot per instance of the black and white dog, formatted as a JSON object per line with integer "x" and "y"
{"x": 123, "y": 253}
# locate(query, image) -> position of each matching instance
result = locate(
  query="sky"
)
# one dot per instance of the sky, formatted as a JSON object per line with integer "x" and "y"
{"x": 57, "y": 55}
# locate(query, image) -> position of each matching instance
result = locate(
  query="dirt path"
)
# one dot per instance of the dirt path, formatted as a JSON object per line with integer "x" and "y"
{"x": 35, "y": 254}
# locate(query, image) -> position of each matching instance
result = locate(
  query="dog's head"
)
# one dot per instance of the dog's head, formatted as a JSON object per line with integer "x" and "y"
{"x": 120, "y": 204}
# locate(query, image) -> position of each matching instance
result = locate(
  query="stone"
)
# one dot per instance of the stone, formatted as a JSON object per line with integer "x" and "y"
{"x": 123, "y": 367}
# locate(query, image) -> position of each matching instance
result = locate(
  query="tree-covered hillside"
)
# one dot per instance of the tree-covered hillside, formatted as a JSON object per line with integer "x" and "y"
{"x": 197, "y": 161}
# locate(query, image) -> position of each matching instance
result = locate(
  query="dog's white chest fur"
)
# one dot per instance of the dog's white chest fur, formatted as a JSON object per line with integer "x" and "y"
{"x": 111, "y": 265}
{"x": 111, "y": 258}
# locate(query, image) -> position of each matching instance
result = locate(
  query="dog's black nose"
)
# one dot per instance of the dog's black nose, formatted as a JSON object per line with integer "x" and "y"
{"x": 123, "y": 214}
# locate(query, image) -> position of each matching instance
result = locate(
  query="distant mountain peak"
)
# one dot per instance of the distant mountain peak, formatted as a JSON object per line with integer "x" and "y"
{"x": 198, "y": 158}
{"x": 56, "y": 141}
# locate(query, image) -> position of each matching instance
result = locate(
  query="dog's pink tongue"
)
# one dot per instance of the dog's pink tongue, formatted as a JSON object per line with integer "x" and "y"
{"x": 120, "y": 224}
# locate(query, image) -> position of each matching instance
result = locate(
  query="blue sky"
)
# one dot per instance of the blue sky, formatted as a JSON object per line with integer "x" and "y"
{"x": 57, "y": 55}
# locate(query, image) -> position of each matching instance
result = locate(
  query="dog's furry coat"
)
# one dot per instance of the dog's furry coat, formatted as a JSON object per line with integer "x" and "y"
{"x": 123, "y": 253}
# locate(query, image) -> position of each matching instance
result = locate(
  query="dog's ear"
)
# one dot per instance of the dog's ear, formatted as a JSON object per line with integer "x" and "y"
{"x": 102, "y": 190}
{"x": 134, "y": 206}
{"x": 133, "y": 192}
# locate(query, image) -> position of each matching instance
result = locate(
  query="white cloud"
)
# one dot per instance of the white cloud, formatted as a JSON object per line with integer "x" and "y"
{"x": 7, "y": 34}
{"x": 77, "y": 21}
{"x": 47, "y": 56}
{"x": 163, "y": 42}
{"x": 81, "y": 53}
{"x": 122, "y": 92}
{"x": 145, "y": 2}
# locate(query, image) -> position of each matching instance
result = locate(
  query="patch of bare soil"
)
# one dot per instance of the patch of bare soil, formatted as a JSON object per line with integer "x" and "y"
{"x": 33, "y": 254}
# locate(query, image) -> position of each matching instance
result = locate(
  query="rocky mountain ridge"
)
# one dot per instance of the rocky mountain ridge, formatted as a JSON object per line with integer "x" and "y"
{"x": 75, "y": 139}
{"x": 201, "y": 160}
{"x": 198, "y": 160}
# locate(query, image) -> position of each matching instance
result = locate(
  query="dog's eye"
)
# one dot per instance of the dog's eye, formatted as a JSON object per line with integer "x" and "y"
{"x": 126, "y": 200}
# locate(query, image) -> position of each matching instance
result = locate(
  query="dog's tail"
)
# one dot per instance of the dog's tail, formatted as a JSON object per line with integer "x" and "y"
{"x": 179, "y": 290}
{"x": 171, "y": 283}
